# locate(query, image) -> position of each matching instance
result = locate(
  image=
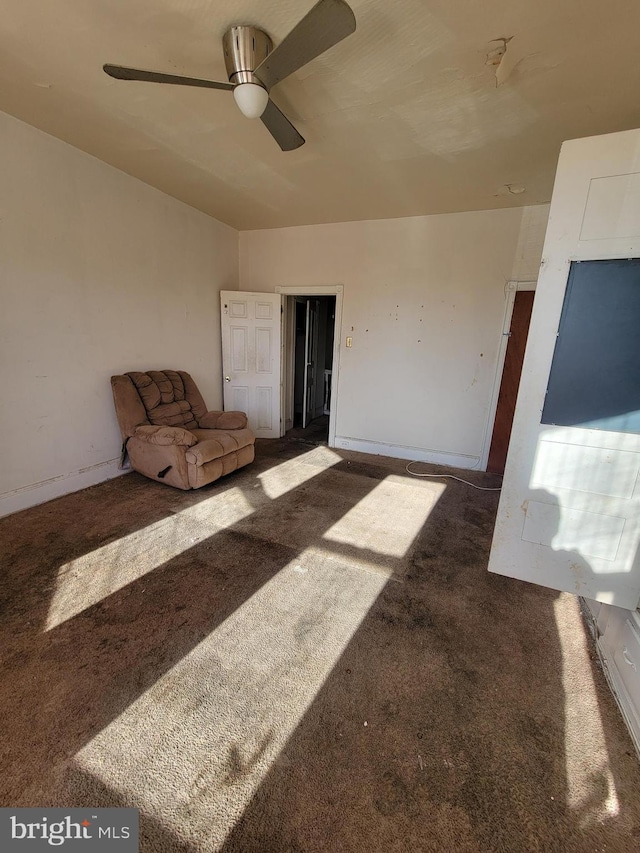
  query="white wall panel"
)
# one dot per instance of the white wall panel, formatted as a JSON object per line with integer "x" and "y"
{"x": 100, "y": 274}
{"x": 424, "y": 302}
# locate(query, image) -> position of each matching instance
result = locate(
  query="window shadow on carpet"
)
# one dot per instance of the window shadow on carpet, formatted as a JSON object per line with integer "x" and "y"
{"x": 283, "y": 683}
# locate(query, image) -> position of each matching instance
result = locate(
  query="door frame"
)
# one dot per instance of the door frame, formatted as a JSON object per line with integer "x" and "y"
{"x": 317, "y": 290}
{"x": 510, "y": 289}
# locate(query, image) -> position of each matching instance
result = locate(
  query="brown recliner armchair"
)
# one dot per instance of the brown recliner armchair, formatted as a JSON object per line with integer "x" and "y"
{"x": 169, "y": 434}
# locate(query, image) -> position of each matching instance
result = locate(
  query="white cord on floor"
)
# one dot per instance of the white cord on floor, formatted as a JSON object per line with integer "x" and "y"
{"x": 451, "y": 477}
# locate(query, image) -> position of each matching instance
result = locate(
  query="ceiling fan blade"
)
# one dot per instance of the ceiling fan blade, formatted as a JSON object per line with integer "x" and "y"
{"x": 323, "y": 26}
{"x": 122, "y": 73}
{"x": 281, "y": 128}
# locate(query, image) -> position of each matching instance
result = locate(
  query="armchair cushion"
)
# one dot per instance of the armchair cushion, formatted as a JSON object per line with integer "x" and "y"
{"x": 165, "y": 435}
{"x": 205, "y": 451}
{"x": 214, "y": 443}
{"x": 223, "y": 420}
{"x": 170, "y": 397}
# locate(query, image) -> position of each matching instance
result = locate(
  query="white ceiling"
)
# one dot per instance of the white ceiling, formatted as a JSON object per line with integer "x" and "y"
{"x": 404, "y": 117}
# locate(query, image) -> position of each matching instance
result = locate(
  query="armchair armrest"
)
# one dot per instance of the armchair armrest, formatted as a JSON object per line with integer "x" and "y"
{"x": 165, "y": 435}
{"x": 223, "y": 420}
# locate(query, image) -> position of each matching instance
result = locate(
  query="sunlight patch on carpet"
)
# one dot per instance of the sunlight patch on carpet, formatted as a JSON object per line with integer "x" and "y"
{"x": 282, "y": 478}
{"x": 387, "y": 519}
{"x": 86, "y": 580}
{"x": 193, "y": 750}
{"x": 586, "y": 755}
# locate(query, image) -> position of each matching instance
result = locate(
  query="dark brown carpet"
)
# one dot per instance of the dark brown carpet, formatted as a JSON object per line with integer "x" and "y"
{"x": 308, "y": 655}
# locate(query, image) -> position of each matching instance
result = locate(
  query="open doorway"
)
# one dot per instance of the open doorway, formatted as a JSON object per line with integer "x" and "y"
{"x": 308, "y": 374}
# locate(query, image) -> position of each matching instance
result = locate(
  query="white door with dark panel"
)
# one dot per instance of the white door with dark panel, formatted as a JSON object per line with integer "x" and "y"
{"x": 569, "y": 513}
{"x": 251, "y": 335}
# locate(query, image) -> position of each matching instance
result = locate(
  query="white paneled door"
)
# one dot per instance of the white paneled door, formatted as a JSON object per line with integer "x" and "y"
{"x": 569, "y": 513}
{"x": 251, "y": 335}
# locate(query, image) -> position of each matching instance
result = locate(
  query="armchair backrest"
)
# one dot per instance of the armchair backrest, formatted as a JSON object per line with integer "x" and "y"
{"x": 159, "y": 397}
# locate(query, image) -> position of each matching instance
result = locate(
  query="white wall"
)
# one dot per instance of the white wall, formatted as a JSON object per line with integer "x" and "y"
{"x": 100, "y": 274}
{"x": 424, "y": 301}
{"x": 569, "y": 514}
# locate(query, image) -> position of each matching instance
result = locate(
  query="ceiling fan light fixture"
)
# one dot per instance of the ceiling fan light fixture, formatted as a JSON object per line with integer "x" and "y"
{"x": 251, "y": 98}
{"x": 254, "y": 67}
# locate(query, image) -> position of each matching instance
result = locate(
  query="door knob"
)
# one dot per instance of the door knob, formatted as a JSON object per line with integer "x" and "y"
{"x": 227, "y": 379}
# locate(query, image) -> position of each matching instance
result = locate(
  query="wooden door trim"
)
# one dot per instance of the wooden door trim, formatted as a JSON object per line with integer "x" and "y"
{"x": 510, "y": 290}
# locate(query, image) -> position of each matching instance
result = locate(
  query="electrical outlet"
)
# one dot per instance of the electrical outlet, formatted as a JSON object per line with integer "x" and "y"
{"x": 349, "y": 341}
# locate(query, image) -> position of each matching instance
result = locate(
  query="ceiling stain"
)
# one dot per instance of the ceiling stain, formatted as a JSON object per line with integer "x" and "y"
{"x": 422, "y": 110}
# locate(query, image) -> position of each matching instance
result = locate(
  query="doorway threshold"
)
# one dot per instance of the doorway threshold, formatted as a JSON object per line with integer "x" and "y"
{"x": 316, "y": 433}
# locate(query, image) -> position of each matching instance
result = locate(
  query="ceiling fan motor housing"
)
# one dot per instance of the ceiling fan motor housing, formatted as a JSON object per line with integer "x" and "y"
{"x": 254, "y": 67}
{"x": 244, "y": 49}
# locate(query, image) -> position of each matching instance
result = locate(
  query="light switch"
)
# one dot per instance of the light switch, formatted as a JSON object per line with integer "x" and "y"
{"x": 349, "y": 341}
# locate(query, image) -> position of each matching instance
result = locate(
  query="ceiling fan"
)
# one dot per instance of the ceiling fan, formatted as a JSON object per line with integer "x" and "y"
{"x": 254, "y": 67}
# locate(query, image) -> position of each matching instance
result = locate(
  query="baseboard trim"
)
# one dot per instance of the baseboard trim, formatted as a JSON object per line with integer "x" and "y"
{"x": 414, "y": 454}
{"x": 46, "y": 490}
